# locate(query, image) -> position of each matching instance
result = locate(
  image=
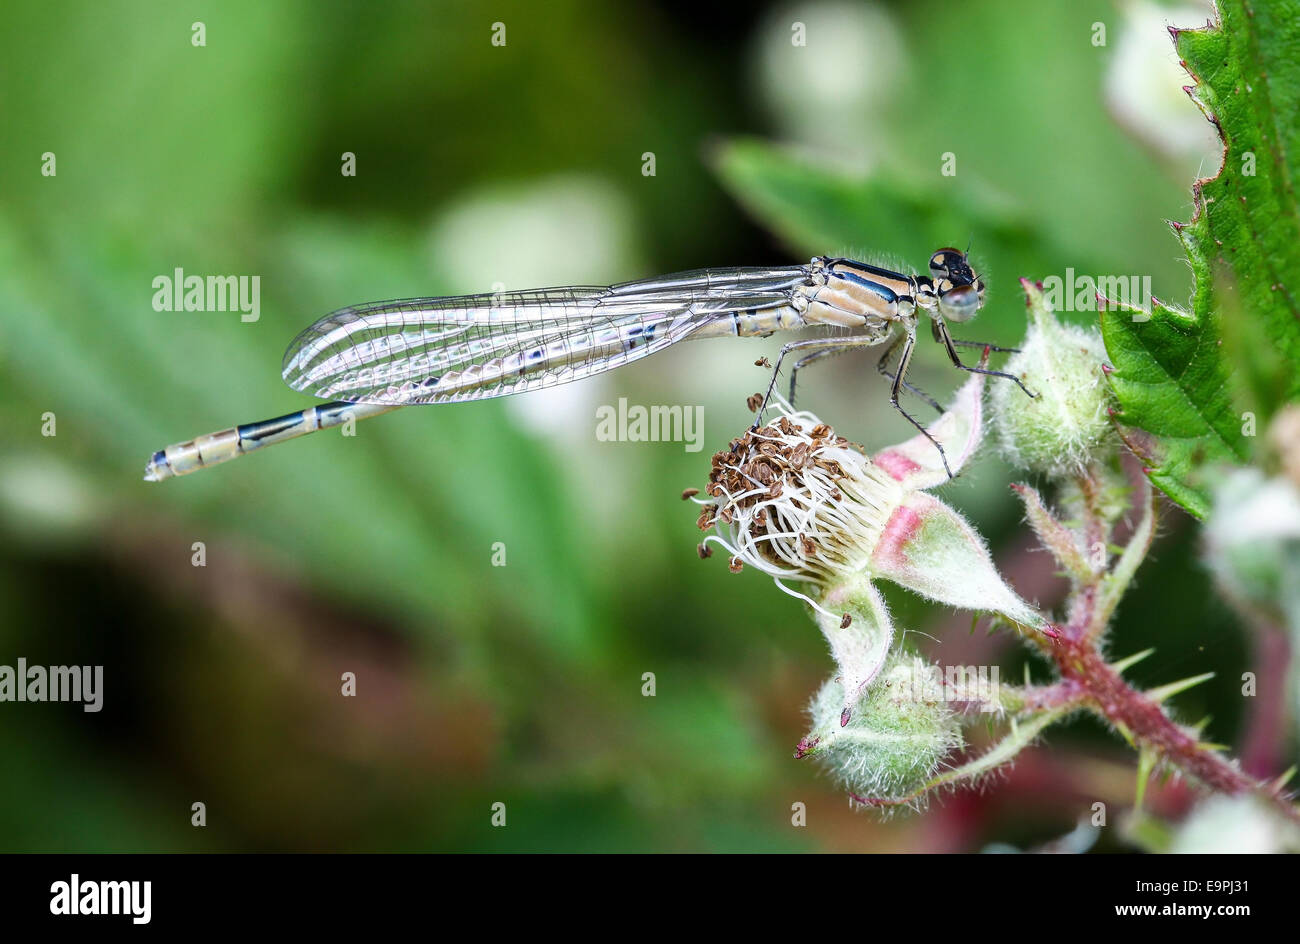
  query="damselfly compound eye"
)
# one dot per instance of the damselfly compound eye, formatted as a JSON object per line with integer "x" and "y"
{"x": 960, "y": 304}
{"x": 947, "y": 262}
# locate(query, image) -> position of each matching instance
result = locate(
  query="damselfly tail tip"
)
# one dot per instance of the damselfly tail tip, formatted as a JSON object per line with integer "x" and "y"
{"x": 157, "y": 468}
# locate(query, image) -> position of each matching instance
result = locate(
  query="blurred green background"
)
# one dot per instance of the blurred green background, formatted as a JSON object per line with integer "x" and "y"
{"x": 519, "y": 164}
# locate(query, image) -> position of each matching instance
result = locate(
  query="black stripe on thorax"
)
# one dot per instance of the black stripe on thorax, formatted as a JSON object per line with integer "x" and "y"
{"x": 886, "y": 283}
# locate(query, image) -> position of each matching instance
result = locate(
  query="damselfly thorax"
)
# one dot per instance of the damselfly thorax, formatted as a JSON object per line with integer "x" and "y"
{"x": 373, "y": 358}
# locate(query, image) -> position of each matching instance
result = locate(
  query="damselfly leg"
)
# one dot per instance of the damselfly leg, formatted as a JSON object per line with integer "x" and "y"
{"x": 805, "y": 361}
{"x": 821, "y": 346}
{"x": 981, "y": 345}
{"x": 883, "y": 366}
{"x": 824, "y": 347}
{"x": 941, "y": 330}
{"x": 908, "y": 341}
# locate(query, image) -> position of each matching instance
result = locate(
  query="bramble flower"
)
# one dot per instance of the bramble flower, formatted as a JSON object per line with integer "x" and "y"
{"x": 827, "y": 522}
{"x": 806, "y": 506}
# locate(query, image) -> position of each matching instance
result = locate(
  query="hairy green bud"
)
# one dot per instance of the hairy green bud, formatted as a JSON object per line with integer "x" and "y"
{"x": 1066, "y": 426}
{"x": 895, "y": 737}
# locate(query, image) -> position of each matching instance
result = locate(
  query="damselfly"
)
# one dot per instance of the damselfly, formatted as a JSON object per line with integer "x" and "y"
{"x": 373, "y": 358}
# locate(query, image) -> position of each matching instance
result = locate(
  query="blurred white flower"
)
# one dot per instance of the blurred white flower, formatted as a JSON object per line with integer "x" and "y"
{"x": 1240, "y": 824}
{"x": 564, "y": 230}
{"x": 826, "y": 92}
{"x": 1144, "y": 86}
{"x": 1252, "y": 543}
{"x": 45, "y": 500}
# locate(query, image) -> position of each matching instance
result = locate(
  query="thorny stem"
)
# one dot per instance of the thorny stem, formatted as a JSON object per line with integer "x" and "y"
{"x": 1095, "y": 528}
{"x": 1065, "y": 694}
{"x": 1114, "y": 584}
{"x": 1088, "y": 680}
{"x": 1147, "y": 723}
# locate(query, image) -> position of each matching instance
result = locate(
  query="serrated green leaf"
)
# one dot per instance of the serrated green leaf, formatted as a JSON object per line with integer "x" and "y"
{"x": 1176, "y": 411}
{"x": 1173, "y": 372}
{"x": 1248, "y": 82}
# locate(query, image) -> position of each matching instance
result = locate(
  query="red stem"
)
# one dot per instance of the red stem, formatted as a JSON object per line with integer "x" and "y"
{"x": 1087, "y": 676}
{"x": 1080, "y": 663}
{"x": 1261, "y": 752}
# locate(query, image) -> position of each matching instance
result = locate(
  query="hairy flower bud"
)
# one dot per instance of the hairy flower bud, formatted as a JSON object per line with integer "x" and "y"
{"x": 1066, "y": 426}
{"x": 900, "y": 730}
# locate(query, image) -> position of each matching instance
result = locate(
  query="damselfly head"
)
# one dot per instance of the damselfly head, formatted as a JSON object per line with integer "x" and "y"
{"x": 960, "y": 291}
{"x": 951, "y": 264}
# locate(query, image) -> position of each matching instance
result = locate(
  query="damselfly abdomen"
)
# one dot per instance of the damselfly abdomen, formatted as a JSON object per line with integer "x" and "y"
{"x": 370, "y": 359}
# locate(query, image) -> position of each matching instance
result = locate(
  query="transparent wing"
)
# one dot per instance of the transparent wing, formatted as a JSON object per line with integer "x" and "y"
{"x": 437, "y": 350}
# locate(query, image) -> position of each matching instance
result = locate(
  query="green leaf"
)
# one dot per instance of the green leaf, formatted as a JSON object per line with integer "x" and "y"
{"x": 1247, "y": 225}
{"x": 819, "y": 208}
{"x": 1178, "y": 383}
{"x": 1176, "y": 411}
